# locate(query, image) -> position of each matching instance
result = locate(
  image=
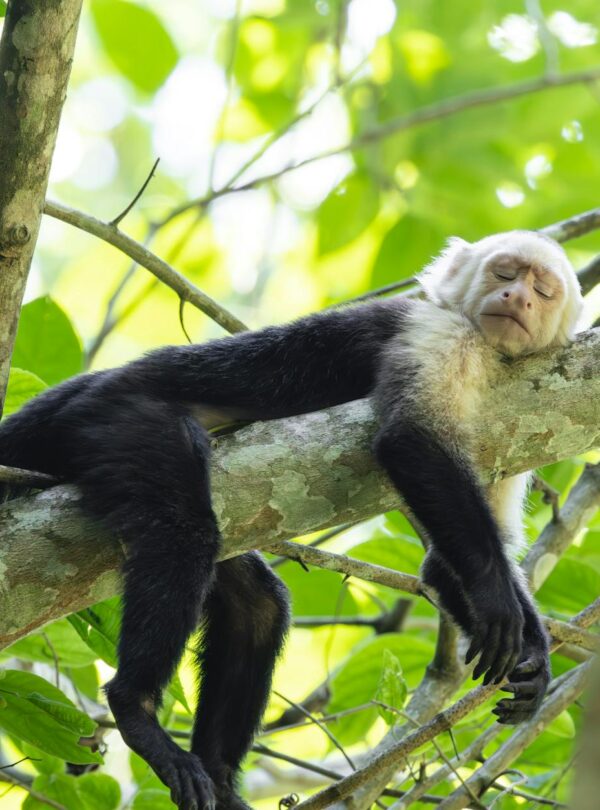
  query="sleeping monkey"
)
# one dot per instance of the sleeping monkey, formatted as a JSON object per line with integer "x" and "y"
{"x": 135, "y": 441}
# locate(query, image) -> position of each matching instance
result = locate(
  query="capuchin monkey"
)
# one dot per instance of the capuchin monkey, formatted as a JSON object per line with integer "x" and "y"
{"x": 134, "y": 439}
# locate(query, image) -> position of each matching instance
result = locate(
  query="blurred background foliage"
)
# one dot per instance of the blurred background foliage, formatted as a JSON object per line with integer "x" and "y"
{"x": 233, "y": 93}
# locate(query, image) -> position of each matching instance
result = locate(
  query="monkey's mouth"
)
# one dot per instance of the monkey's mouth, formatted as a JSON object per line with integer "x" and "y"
{"x": 507, "y": 316}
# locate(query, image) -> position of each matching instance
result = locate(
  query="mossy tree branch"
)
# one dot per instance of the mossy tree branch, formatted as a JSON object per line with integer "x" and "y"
{"x": 276, "y": 480}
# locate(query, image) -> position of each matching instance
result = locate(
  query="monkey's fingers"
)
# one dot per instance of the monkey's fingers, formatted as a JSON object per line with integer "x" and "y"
{"x": 490, "y": 650}
{"x": 191, "y": 788}
{"x": 524, "y": 689}
{"x": 511, "y": 712}
{"x": 509, "y": 661}
{"x": 529, "y": 666}
{"x": 476, "y": 646}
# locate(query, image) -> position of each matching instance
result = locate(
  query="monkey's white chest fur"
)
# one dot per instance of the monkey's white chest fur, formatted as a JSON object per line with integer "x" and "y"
{"x": 451, "y": 367}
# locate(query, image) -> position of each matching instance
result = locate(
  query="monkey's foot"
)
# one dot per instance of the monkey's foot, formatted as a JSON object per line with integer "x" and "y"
{"x": 191, "y": 787}
{"x": 182, "y": 772}
{"x": 528, "y": 683}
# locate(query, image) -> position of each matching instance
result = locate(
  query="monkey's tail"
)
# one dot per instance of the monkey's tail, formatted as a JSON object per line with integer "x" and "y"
{"x": 30, "y": 438}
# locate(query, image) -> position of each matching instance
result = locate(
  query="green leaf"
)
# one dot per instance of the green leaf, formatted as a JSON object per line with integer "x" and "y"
{"x": 91, "y": 791}
{"x": 570, "y": 587}
{"x": 99, "y": 791}
{"x": 2, "y": 8}
{"x": 152, "y": 799}
{"x": 401, "y": 553}
{"x": 56, "y": 641}
{"x": 348, "y": 210}
{"x": 563, "y": 726}
{"x": 99, "y": 627}
{"x": 22, "y": 386}
{"x": 317, "y": 592}
{"x": 86, "y": 680}
{"x": 406, "y": 248}
{"x": 392, "y": 689}
{"x": 357, "y": 680}
{"x": 136, "y": 41}
{"x": 42, "y": 715}
{"x": 46, "y": 342}
{"x": 59, "y": 787}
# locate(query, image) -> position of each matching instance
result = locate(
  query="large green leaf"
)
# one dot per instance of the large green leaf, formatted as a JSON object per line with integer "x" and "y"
{"x": 348, "y": 210}
{"x": 571, "y": 586}
{"x": 391, "y": 690}
{"x": 46, "y": 342}
{"x": 136, "y": 41}
{"x": 57, "y": 641}
{"x": 37, "y": 712}
{"x": 358, "y": 679}
{"x": 152, "y": 799}
{"x": 59, "y": 787}
{"x": 317, "y": 592}
{"x": 406, "y": 248}
{"x": 22, "y": 386}
{"x": 401, "y": 553}
{"x": 91, "y": 791}
{"x": 99, "y": 791}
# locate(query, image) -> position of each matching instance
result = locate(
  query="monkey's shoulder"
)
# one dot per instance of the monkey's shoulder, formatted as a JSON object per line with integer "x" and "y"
{"x": 440, "y": 361}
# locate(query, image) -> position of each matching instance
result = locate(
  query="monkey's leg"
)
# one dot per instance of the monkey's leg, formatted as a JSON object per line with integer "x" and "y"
{"x": 246, "y": 619}
{"x": 143, "y": 469}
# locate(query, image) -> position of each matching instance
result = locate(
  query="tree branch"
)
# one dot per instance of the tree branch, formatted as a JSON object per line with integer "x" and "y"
{"x": 433, "y": 112}
{"x": 566, "y": 694}
{"x": 144, "y": 257}
{"x": 270, "y": 484}
{"x": 36, "y": 52}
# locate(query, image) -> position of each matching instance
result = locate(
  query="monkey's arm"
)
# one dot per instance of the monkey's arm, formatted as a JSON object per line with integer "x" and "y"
{"x": 469, "y": 568}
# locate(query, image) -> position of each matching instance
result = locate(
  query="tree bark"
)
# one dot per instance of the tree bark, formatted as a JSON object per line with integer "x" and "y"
{"x": 36, "y": 52}
{"x": 277, "y": 480}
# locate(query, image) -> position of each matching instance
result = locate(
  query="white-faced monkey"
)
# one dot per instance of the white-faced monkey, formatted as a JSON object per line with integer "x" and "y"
{"x": 135, "y": 441}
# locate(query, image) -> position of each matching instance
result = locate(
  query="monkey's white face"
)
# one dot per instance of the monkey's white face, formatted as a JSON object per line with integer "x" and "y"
{"x": 518, "y": 288}
{"x": 520, "y": 303}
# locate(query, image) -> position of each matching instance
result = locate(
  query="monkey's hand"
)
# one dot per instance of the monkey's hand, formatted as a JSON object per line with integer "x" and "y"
{"x": 528, "y": 683}
{"x": 498, "y": 624}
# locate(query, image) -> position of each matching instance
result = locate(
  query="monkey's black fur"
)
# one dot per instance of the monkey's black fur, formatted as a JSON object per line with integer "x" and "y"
{"x": 128, "y": 438}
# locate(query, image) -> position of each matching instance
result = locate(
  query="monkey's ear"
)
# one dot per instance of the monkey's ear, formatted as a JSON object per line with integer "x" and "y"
{"x": 442, "y": 279}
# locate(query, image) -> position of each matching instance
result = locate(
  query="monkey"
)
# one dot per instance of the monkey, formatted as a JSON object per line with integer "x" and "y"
{"x": 135, "y": 440}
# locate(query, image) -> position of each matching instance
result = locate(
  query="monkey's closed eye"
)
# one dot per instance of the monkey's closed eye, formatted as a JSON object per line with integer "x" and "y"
{"x": 505, "y": 275}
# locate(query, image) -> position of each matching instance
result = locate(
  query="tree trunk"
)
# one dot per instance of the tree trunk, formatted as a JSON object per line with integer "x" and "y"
{"x": 36, "y": 53}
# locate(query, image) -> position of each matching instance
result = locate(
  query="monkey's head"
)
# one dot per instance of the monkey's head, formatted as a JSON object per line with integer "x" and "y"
{"x": 518, "y": 288}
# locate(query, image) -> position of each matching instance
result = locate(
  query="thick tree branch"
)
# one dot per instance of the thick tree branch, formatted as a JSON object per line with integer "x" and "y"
{"x": 36, "y": 51}
{"x": 270, "y": 483}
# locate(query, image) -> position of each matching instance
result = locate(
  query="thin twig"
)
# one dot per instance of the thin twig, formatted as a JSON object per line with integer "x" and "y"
{"x": 433, "y": 112}
{"x": 547, "y": 38}
{"x": 550, "y": 496}
{"x": 26, "y": 478}
{"x": 115, "y": 222}
{"x": 313, "y": 719}
{"x": 233, "y": 43}
{"x": 322, "y": 538}
{"x": 159, "y": 268}
{"x": 348, "y": 566}
{"x": 39, "y": 797}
